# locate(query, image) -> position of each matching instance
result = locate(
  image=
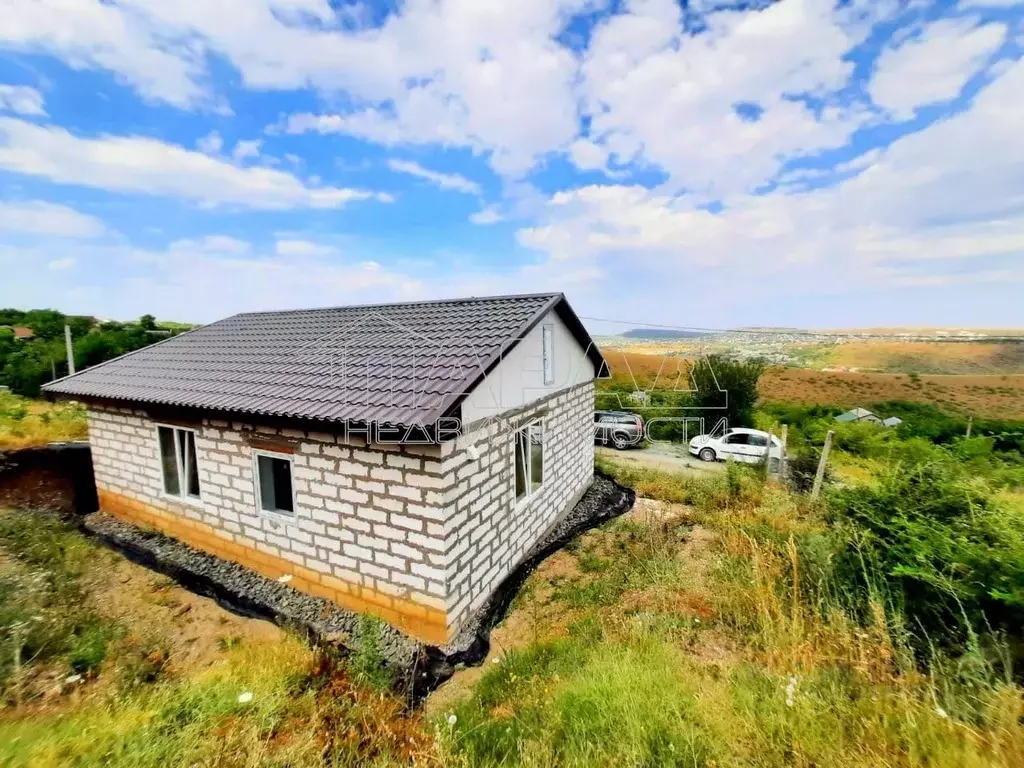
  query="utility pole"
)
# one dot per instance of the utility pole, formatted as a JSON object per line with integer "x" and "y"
{"x": 71, "y": 351}
{"x": 970, "y": 423}
{"x": 768, "y": 456}
{"x": 819, "y": 476}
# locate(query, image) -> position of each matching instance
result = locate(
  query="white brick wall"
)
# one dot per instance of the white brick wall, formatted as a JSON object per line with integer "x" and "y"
{"x": 347, "y": 523}
{"x": 487, "y": 534}
{"x": 423, "y": 522}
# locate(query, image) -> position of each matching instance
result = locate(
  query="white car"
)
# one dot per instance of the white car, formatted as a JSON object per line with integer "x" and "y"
{"x": 746, "y": 445}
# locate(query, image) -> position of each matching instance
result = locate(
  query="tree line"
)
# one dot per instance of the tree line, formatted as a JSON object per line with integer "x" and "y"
{"x": 26, "y": 363}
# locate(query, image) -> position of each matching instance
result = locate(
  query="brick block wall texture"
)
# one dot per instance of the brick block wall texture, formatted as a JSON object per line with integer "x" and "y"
{"x": 419, "y": 535}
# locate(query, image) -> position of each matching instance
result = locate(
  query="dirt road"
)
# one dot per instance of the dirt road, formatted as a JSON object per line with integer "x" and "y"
{"x": 667, "y": 457}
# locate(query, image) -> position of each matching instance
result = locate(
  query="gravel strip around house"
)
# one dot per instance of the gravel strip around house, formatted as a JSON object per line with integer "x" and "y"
{"x": 419, "y": 668}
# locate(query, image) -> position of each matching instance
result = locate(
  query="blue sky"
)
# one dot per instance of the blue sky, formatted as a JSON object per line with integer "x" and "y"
{"x": 706, "y": 163}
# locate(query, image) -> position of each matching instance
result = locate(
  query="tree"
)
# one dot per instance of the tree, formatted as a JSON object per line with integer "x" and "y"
{"x": 47, "y": 323}
{"x": 147, "y": 323}
{"x": 80, "y": 324}
{"x": 726, "y": 387}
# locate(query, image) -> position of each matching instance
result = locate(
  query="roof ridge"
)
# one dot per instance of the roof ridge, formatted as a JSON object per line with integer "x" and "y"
{"x": 421, "y": 302}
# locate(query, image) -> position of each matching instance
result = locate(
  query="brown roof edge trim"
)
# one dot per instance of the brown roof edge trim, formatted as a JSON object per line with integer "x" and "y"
{"x": 186, "y": 414}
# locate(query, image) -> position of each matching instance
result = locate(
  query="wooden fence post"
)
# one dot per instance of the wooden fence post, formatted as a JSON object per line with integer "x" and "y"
{"x": 819, "y": 477}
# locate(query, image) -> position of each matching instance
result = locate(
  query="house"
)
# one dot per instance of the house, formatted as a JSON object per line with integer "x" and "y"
{"x": 892, "y": 421}
{"x": 397, "y": 459}
{"x": 23, "y": 332}
{"x": 859, "y": 415}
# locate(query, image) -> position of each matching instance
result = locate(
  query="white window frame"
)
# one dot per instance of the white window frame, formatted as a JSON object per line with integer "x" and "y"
{"x": 288, "y": 517}
{"x": 182, "y": 496}
{"x": 547, "y": 343}
{"x": 530, "y": 493}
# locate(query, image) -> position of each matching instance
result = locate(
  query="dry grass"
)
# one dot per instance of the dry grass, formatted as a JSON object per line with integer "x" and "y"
{"x": 996, "y": 396}
{"x": 930, "y": 357}
{"x": 992, "y": 395}
{"x": 25, "y": 423}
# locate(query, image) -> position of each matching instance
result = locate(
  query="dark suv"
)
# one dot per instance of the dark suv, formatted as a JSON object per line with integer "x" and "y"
{"x": 619, "y": 428}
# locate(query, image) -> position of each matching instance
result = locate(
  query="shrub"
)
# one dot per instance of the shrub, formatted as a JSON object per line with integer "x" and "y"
{"x": 938, "y": 547}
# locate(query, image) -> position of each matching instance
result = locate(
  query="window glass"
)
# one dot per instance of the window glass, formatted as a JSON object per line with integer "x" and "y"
{"x": 759, "y": 440}
{"x": 536, "y": 432}
{"x": 169, "y": 461}
{"x": 529, "y": 460}
{"x": 737, "y": 439}
{"x": 178, "y": 462}
{"x": 521, "y": 467}
{"x": 191, "y": 465}
{"x": 548, "y": 353}
{"x": 275, "y": 484}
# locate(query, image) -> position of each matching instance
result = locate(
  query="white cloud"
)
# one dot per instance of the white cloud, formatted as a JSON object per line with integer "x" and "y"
{"x": 487, "y": 215}
{"x": 47, "y": 220}
{"x": 452, "y": 181}
{"x": 934, "y": 65}
{"x": 667, "y": 98}
{"x": 59, "y": 265}
{"x": 210, "y": 144}
{"x": 98, "y": 35}
{"x": 304, "y": 248}
{"x": 136, "y": 164}
{"x": 950, "y": 197}
{"x": 245, "y": 149}
{"x": 193, "y": 280}
{"x": 489, "y": 76}
{"x": 22, "y": 100}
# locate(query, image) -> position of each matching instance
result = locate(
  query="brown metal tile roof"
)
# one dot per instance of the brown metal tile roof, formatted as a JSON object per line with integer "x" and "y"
{"x": 401, "y": 364}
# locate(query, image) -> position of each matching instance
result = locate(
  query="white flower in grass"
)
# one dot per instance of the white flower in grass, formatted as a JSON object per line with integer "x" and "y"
{"x": 245, "y": 698}
{"x": 941, "y": 712}
{"x": 791, "y": 691}
{"x": 452, "y": 719}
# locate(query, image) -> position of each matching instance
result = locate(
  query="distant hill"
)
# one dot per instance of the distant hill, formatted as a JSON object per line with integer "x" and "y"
{"x": 661, "y": 333}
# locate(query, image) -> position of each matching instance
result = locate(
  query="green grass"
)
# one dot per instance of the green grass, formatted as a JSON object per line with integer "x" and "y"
{"x": 742, "y": 653}
{"x": 44, "y": 618}
{"x": 269, "y": 703}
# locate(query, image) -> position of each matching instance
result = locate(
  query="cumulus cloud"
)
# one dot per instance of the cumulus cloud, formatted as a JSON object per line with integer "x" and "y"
{"x": 44, "y": 219}
{"x": 451, "y": 181}
{"x": 940, "y": 198}
{"x": 135, "y": 164}
{"x": 450, "y": 71}
{"x": 934, "y": 65}
{"x": 662, "y": 96}
{"x": 22, "y": 100}
{"x": 100, "y": 35}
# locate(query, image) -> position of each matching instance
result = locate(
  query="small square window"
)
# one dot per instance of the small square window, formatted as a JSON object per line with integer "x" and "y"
{"x": 529, "y": 460}
{"x": 178, "y": 462}
{"x": 274, "y": 484}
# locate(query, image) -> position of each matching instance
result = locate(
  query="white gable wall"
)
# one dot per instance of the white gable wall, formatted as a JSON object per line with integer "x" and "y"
{"x": 518, "y": 379}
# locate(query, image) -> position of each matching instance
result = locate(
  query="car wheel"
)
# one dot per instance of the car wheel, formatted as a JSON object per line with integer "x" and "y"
{"x": 707, "y": 454}
{"x": 621, "y": 442}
